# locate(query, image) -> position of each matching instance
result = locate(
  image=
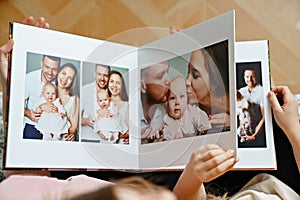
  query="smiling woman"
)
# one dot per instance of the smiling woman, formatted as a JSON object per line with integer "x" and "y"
{"x": 119, "y": 96}
{"x": 208, "y": 82}
{"x": 68, "y": 92}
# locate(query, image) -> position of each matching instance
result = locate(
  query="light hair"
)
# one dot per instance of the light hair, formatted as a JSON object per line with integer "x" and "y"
{"x": 47, "y": 84}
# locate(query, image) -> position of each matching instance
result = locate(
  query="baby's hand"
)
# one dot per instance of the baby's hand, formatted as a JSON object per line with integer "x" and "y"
{"x": 158, "y": 134}
{"x": 103, "y": 113}
{"x": 49, "y": 107}
{"x": 62, "y": 115}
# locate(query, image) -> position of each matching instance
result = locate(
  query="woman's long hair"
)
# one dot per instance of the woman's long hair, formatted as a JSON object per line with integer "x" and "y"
{"x": 217, "y": 64}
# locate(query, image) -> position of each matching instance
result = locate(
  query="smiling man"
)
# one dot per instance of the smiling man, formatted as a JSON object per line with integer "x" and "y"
{"x": 253, "y": 92}
{"x": 89, "y": 101}
{"x": 34, "y": 83}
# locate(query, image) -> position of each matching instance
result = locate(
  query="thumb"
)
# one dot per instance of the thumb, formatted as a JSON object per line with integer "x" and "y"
{"x": 7, "y": 47}
{"x": 273, "y": 101}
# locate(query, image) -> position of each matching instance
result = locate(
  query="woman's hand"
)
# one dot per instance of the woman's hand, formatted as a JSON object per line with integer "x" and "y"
{"x": 41, "y": 22}
{"x": 7, "y": 47}
{"x": 4, "y": 54}
{"x": 286, "y": 115}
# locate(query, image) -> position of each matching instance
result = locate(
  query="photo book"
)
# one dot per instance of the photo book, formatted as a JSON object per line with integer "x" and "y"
{"x": 81, "y": 103}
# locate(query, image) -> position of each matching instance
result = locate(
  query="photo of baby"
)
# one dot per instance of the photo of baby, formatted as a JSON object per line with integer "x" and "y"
{"x": 51, "y": 98}
{"x": 52, "y": 125}
{"x": 186, "y": 96}
{"x": 104, "y": 104}
{"x": 109, "y": 126}
{"x": 183, "y": 119}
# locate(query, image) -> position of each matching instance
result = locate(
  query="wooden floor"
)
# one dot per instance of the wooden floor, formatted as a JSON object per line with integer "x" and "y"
{"x": 275, "y": 20}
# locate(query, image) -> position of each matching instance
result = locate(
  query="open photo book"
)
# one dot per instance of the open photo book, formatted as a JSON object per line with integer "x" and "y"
{"x": 81, "y": 103}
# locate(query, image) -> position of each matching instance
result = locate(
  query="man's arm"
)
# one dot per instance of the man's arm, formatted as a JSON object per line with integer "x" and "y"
{"x": 87, "y": 121}
{"x": 31, "y": 114}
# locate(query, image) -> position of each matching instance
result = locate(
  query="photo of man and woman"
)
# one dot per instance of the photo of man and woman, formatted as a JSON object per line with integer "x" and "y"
{"x": 51, "y": 107}
{"x": 104, "y": 104}
{"x": 53, "y": 104}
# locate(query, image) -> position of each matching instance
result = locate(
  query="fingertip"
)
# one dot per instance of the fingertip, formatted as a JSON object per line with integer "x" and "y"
{"x": 47, "y": 26}
{"x": 213, "y": 146}
{"x": 270, "y": 93}
{"x": 230, "y": 151}
{"x": 271, "y": 96}
{"x": 7, "y": 47}
{"x": 29, "y": 20}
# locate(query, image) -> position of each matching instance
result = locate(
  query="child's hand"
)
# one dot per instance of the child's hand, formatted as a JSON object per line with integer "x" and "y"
{"x": 49, "y": 107}
{"x": 155, "y": 135}
{"x": 206, "y": 164}
{"x": 103, "y": 113}
{"x": 62, "y": 115}
{"x": 210, "y": 162}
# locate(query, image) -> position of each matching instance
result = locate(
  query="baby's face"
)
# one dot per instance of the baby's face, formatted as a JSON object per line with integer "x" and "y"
{"x": 49, "y": 93}
{"x": 103, "y": 99}
{"x": 177, "y": 99}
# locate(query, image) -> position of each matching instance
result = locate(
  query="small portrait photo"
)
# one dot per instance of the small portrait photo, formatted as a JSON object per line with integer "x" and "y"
{"x": 186, "y": 96}
{"x": 51, "y": 110}
{"x": 104, "y": 104}
{"x": 250, "y": 105}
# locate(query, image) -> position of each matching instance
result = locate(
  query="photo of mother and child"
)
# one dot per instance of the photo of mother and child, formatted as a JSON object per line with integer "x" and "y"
{"x": 192, "y": 103}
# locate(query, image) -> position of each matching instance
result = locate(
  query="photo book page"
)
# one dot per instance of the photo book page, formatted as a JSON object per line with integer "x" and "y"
{"x": 255, "y": 140}
{"x": 58, "y": 89}
{"x": 82, "y": 103}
